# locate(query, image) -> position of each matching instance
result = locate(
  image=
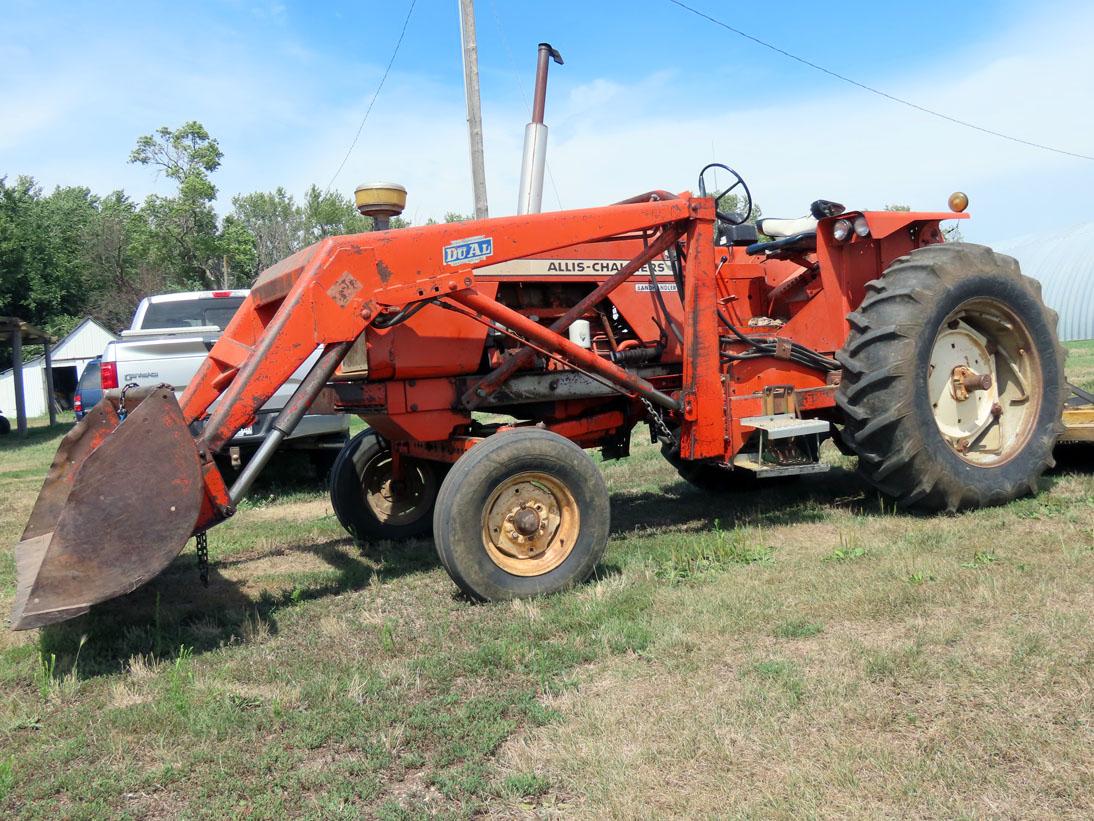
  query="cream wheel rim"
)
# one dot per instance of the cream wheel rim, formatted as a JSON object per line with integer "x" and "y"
{"x": 984, "y": 382}
{"x": 530, "y": 524}
{"x": 397, "y": 502}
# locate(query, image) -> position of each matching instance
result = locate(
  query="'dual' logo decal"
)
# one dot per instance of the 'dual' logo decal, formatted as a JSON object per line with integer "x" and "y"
{"x": 467, "y": 251}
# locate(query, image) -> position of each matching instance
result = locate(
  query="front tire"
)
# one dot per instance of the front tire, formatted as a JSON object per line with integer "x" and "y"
{"x": 369, "y": 505}
{"x": 953, "y": 380}
{"x": 524, "y": 513}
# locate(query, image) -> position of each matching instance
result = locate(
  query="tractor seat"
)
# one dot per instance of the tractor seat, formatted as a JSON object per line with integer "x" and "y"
{"x": 803, "y": 242}
{"x": 787, "y": 227}
{"x": 790, "y": 235}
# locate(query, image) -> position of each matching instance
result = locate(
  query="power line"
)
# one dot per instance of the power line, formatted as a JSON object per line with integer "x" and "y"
{"x": 376, "y": 94}
{"x": 876, "y": 91}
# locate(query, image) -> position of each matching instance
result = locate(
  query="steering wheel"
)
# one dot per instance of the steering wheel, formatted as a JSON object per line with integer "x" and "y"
{"x": 731, "y": 218}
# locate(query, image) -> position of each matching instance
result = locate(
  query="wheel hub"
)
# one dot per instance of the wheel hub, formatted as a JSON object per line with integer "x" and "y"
{"x": 530, "y": 524}
{"x": 394, "y": 501}
{"x": 526, "y": 521}
{"x": 983, "y": 382}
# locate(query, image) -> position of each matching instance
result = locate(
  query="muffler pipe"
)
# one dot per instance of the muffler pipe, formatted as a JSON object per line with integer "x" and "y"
{"x": 290, "y": 416}
{"x": 530, "y": 198}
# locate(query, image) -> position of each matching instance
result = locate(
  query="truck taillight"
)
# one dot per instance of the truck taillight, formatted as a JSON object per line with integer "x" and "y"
{"x": 78, "y": 403}
{"x": 108, "y": 373}
{"x": 221, "y": 294}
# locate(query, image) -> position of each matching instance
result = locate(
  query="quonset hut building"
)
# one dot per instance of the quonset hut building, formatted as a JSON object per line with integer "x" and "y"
{"x": 1064, "y": 264}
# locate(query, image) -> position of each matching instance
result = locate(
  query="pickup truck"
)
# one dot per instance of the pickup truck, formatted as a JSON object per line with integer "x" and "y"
{"x": 167, "y": 341}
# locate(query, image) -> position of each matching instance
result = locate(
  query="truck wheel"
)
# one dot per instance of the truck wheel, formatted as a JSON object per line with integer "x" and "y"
{"x": 524, "y": 513}
{"x": 369, "y": 504}
{"x": 953, "y": 380}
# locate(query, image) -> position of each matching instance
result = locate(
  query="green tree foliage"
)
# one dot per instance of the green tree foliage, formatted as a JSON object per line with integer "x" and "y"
{"x": 451, "y": 216}
{"x": 280, "y": 226}
{"x": 71, "y": 253}
{"x": 186, "y": 239}
{"x": 44, "y": 241}
{"x": 274, "y": 220}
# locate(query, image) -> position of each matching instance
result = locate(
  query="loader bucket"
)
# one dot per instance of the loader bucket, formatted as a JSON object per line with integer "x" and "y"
{"x": 118, "y": 504}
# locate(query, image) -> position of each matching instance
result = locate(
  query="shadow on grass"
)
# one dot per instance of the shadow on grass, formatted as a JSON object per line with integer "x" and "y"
{"x": 1073, "y": 457}
{"x": 762, "y": 502}
{"x": 174, "y": 611}
{"x": 36, "y": 435}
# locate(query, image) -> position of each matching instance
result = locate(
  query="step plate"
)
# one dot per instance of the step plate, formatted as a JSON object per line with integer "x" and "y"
{"x": 783, "y": 425}
{"x": 763, "y": 470}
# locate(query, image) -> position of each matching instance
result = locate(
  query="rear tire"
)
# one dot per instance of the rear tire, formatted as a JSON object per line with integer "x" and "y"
{"x": 941, "y": 314}
{"x": 710, "y": 477}
{"x": 524, "y": 513}
{"x": 368, "y": 505}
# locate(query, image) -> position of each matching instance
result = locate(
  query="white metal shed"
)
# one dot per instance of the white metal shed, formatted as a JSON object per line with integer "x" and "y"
{"x": 86, "y": 341}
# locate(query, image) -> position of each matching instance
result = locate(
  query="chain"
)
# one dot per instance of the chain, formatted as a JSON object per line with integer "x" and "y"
{"x": 201, "y": 543}
{"x": 122, "y": 412}
{"x": 657, "y": 422}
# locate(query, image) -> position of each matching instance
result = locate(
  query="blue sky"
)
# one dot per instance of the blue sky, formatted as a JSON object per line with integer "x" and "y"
{"x": 649, "y": 93}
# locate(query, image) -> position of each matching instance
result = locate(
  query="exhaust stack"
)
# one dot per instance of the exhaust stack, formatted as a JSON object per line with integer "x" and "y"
{"x": 530, "y": 199}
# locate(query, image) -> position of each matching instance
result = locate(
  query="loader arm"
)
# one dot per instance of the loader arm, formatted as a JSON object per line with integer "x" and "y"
{"x": 331, "y": 291}
{"x": 323, "y": 296}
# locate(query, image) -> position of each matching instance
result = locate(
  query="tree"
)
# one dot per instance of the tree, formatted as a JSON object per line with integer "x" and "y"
{"x": 450, "y": 217}
{"x": 185, "y": 238}
{"x": 328, "y": 214}
{"x": 274, "y": 220}
{"x": 122, "y": 272}
{"x": 44, "y": 245}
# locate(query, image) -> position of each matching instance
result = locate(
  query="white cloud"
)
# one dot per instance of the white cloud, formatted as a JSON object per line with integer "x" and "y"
{"x": 610, "y": 138}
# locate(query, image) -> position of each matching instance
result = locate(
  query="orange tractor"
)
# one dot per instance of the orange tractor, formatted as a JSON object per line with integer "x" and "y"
{"x": 935, "y": 363}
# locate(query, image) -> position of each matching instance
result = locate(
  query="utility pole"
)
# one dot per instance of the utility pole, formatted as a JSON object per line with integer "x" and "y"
{"x": 474, "y": 111}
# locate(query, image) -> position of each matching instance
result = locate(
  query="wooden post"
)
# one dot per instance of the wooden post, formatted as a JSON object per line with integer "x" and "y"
{"x": 17, "y": 377}
{"x": 49, "y": 385}
{"x": 474, "y": 111}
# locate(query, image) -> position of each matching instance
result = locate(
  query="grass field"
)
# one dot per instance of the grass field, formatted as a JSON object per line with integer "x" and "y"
{"x": 803, "y": 651}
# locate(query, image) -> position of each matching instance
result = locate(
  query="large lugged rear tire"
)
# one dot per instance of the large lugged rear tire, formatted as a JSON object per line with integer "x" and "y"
{"x": 953, "y": 380}
{"x": 524, "y": 513}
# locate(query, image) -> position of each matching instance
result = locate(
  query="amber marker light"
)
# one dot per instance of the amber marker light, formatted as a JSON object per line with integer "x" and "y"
{"x": 959, "y": 201}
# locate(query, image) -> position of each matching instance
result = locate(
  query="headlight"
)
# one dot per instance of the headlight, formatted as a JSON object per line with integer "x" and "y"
{"x": 841, "y": 230}
{"x": 861, "y": 228}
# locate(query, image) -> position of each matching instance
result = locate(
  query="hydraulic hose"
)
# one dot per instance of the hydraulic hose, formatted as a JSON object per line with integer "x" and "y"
{"x": 762, "y": 346}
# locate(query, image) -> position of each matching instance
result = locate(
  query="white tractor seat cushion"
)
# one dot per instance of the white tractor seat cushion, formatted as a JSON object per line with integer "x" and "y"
{"x": 786, "y": 227}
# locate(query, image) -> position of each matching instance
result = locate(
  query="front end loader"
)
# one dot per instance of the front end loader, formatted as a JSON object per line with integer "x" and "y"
{"x": 486, "y": 357}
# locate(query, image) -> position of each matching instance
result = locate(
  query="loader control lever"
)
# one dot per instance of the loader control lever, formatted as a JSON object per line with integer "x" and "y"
{"x": 743, "y": 203}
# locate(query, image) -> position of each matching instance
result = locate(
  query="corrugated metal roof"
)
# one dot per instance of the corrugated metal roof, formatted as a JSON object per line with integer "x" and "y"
{"x": 86, "y": 341}
{"x": 1064, "y": 264}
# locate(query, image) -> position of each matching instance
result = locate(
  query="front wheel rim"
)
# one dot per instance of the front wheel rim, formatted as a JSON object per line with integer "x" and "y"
{"x": 530, "y": 524}
{"x": 984, "y": 382}
{"x": 397, "y": 503}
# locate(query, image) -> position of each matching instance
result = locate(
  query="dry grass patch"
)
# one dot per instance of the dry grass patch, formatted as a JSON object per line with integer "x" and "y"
{"x": 799, "y": 651}
{"x": 969, "y": 694}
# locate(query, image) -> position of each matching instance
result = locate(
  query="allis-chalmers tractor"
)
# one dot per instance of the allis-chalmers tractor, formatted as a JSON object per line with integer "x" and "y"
{"x": 935, "y": 363}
